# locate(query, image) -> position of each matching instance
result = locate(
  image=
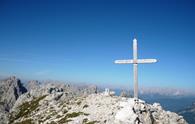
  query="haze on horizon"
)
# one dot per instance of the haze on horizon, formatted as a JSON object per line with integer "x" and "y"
{"x": 79, "y": 41}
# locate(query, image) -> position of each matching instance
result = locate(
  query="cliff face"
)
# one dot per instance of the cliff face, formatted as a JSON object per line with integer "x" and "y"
{"x": 10, "y": 90}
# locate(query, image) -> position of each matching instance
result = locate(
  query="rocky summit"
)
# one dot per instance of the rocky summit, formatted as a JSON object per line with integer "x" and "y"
{"x": 10, "y": 90}
{"x": 60, "y": 103}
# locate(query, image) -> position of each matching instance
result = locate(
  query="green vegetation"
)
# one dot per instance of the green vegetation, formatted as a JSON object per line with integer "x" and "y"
{"x": 28, "y": 121}
{"x": 92, "y": 122}
{"x": 70, "y": 115}
{"x": 74, "y": 114}
{"x": 63, "y": 120}
{"x": 53, "y": 122}
{"x": 85, "y": 121}
{"x": 86, "y": 114}
{"x": 26, "y": 108}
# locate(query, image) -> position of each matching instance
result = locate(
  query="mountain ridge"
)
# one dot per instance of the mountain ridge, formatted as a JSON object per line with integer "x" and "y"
{"x": 56, "y": 103}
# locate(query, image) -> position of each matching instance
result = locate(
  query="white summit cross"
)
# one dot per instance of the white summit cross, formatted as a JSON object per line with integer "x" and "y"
{"x": 135, "y": 61}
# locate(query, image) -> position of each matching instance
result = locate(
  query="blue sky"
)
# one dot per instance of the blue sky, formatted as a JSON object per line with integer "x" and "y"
{"x": 78, "y": 41}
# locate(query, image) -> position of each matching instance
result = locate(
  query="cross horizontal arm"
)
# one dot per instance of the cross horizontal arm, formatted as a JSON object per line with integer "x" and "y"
{"x": 146, "y": 61}
{"x": 128, "y": 61}
{"x": 138, "y": 61}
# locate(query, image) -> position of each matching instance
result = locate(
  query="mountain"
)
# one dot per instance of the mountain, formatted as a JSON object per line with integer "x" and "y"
{"x": 10, "y": 90}
{"x": 189, "y": 113}
{"x": 61, "y": 107}
{"x": 53, "y": 102}
{"x": 159, "y": 91}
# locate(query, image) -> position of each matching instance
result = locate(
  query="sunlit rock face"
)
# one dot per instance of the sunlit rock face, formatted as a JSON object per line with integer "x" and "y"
{"x": 62, "y": 107}
{"x": 33, "y": 85}
{"x": 10, "y": 90}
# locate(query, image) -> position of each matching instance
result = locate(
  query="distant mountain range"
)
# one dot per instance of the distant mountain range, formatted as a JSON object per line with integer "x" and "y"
{"x": 166, "y": 91}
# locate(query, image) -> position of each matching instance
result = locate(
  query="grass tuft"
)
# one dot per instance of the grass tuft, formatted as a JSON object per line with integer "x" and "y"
{"x": 70, "y": 115}
{"x": 26, "y": 108}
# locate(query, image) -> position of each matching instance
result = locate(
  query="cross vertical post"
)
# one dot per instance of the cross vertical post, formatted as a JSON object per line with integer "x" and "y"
{"x": 135, "y": 73}
{"x": 135, "y": 61}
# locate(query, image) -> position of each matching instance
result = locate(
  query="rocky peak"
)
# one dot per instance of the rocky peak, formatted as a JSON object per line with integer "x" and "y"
{"x": 33, "y": 84}
{"x": 11, "y": 89}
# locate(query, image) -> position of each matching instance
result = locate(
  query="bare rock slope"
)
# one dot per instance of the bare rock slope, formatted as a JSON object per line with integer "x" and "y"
{"x": 60, "y": 103}
{"x": 62, "y": 107}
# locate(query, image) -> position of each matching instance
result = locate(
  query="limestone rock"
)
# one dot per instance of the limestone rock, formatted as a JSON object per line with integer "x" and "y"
{"x": 32, "y": 85}
{"x": 10, "y": 90}
{"x": 53, "y": 102}
{"x": 96, "y": 108}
